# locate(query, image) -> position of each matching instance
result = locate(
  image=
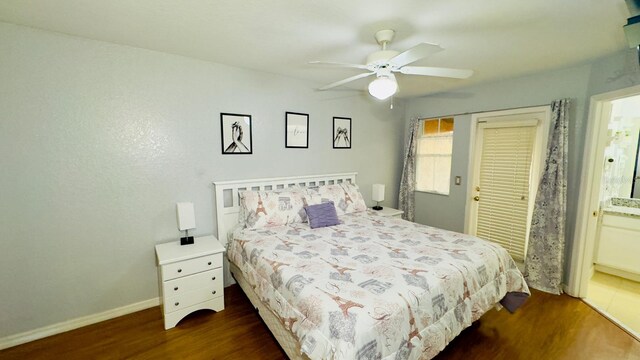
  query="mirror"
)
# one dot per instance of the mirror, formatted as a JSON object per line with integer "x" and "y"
{"x": 635, "y": 187}
{"x": 621, "y": 167}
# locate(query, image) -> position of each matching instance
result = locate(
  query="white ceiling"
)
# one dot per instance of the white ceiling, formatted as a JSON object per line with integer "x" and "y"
{"x": 496, "y": 38}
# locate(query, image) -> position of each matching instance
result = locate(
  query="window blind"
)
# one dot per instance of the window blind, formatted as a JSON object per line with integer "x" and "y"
{"x": 505, "y": 171}
{"x": 433, "y": 155}
{"x": 433, "y": 168}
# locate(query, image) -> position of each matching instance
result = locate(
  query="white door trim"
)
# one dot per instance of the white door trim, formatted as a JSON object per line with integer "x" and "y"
{"x": 540, "y": 147}
{"x": 581, "y": 261}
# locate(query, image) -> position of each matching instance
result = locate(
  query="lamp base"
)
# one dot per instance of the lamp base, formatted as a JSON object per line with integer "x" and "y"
{"x": 187, "y": 240}
{"x": 377, "y": 207}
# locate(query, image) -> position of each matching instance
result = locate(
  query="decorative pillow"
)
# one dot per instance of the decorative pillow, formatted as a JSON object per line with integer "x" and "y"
{"x": 346, "y": 197}
{"x": 272, "y": 208}
{"x": 322, "y": 215}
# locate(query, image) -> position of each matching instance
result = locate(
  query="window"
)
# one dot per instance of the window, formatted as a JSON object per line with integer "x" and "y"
{"x": 433, "y": 156}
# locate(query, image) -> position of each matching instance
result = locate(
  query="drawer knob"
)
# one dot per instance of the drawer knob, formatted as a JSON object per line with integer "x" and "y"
{"x": 209, "y": 263}
{"x": 214, "y": 292}
{"x": 213, "y": 278}
{"x": 175, "y": 288}
{"x": 177, "y": 303}
{"x": 179, "y": 270}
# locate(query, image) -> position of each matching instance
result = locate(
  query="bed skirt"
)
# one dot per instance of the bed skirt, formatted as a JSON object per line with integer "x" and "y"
{"x": 286, "y": 340}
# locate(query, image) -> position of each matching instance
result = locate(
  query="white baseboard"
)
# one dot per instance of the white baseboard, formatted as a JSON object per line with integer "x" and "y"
{"x": 31, "y": 335}
{"x": 618, "y": 272}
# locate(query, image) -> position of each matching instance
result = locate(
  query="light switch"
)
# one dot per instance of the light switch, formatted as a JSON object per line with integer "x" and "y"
{"x": 458, "y": 180}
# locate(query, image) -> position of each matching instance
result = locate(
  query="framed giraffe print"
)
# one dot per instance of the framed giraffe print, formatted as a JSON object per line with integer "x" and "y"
{"x": 236, "y": 134}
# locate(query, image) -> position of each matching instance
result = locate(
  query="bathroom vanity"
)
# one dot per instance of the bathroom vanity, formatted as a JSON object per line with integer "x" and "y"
{"x": 618, "y": 250}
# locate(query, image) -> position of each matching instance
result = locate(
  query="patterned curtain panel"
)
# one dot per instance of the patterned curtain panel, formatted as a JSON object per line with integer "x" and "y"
{"x": 545, "y": 252}
{"x": 408, "y": 181}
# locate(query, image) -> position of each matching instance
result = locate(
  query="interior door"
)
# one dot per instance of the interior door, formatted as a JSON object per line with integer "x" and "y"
{"x": 506, "y": 169}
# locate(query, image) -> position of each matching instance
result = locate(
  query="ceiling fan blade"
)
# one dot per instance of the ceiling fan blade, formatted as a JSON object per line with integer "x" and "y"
{"x": 436, "y": 71}
{"x": 338, "y": 64}
{"x": 344, "y": 81}
{"x": 416, "y": 53}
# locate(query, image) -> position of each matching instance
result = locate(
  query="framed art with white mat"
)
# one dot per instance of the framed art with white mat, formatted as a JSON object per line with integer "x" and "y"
{"x": 236, "y": 133}
{"x": 296, "y": 130}
{"x": 341, "y": 133}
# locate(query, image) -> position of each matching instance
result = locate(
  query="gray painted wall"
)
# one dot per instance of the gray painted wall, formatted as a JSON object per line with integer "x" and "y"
{"x": 99, "y": 141}
{"x": 578, "y": 83}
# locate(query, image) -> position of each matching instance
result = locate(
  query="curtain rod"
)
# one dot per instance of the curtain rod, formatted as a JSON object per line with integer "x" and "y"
{"x": 478, "y": 112}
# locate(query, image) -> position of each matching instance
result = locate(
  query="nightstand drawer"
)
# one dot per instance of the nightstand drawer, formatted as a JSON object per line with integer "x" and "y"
{"x": 211, "y": 278}
{"x": 186, "y": 299}
{"x": 192, "y": 266}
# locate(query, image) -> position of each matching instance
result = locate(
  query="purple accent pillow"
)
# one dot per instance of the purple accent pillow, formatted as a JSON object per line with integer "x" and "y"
{"x": 322, "y": 215}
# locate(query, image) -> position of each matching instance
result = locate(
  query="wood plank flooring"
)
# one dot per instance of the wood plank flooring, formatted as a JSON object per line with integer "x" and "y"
{"x": 546, "y": 327}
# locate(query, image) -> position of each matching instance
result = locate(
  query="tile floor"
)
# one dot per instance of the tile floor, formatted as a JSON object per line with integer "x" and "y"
{"x": 617, "y": 296}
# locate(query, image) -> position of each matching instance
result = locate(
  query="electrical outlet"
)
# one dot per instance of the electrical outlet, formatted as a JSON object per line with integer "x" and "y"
{"x": 458, "y": 180}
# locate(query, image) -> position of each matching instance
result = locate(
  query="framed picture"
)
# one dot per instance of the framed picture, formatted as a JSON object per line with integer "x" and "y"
{"x": 236, "y": 133}
{"x": 296, "y": 130}
{"x": 341, "y": 133}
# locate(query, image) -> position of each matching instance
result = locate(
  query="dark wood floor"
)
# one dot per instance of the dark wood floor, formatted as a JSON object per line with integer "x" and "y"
{"x": 546, "y": 327}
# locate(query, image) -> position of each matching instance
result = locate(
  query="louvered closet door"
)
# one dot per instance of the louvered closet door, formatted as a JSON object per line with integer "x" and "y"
{"x": 504, "y": 186}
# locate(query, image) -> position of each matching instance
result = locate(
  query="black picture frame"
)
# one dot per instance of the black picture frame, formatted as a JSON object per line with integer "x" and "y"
{"x": 296, "y": 130}
{"x": 342, "y": 136}
{"x": 235, "y": 125}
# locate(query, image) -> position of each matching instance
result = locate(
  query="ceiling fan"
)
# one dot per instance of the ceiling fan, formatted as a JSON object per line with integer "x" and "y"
{"x": 385, "y": 62}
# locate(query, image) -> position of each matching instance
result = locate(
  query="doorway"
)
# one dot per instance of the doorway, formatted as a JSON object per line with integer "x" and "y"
{"x": 506, "y": 159}
{"x": 604, "y": 269}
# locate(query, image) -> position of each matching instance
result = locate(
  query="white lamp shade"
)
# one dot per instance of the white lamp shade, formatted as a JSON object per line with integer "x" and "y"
{"x": 186, "y": 216}
{"x": 383, "y": 87}
{"x": 377, "y": 192}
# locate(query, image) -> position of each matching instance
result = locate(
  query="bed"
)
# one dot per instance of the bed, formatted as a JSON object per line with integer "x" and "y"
{"x": 370, "y": 287}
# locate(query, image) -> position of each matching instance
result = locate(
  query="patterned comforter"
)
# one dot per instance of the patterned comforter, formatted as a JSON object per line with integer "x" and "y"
{"x": 374, "y": 287}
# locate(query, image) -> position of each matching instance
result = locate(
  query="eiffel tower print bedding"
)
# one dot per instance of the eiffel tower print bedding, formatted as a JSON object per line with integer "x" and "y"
{"x": 374, "y": 287}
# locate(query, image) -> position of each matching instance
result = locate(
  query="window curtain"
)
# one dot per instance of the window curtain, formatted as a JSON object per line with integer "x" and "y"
{"x": 545, "y": 253}
{"x": 408, "y": 181}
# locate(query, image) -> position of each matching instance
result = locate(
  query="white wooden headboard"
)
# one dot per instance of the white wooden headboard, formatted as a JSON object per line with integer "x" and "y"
{"x": 227, "y": 199}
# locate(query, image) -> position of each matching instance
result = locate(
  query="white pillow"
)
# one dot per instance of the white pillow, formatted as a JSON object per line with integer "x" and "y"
{"x": 272, "y": 208}
{"x": 346, "y": 197}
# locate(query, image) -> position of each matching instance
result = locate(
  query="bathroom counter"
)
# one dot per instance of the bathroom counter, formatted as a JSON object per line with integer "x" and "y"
{"x": 622, "y": 210}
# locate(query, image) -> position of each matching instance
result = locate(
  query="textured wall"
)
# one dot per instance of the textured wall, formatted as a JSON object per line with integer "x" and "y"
{"x": 99, "y": 141}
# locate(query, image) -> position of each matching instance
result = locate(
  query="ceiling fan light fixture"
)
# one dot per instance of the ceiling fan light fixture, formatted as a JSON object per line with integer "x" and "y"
{"x": 383, "y": 87}
{"x": 385, "y": 62}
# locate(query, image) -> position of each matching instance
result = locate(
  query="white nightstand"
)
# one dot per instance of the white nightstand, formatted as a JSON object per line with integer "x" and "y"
{"x": 389, "y": 212}
{"x": 191, "y": 278}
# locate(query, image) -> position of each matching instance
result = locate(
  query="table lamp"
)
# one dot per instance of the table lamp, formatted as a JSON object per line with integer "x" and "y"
{"x": 186, "y": 221}
{"x": 377, "y": 195}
